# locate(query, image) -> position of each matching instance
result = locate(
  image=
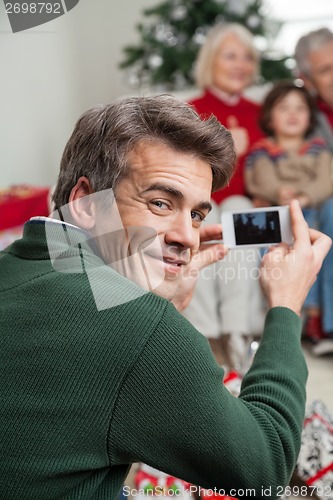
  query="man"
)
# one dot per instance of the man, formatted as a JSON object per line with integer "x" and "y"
{"x": 314, "y": 57}
{"x": 98, "y": 372}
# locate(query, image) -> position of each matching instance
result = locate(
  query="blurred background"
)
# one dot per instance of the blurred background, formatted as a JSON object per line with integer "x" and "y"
{"x": 101, "y": 50}
{"x": 52, "y": 73}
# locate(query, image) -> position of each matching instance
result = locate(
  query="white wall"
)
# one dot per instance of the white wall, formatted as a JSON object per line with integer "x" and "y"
{"x": 51, "y": 74}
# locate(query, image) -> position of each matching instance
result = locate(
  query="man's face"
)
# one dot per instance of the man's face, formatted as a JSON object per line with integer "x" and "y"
{"x": 169, "y": 192}
{"x": 321, "y": 79}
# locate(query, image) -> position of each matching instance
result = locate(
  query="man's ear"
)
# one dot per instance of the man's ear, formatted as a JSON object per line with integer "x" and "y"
{"x": 81, "y": 205}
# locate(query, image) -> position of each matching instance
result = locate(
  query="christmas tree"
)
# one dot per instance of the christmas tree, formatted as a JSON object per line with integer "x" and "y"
{"x": 165, "y": 56}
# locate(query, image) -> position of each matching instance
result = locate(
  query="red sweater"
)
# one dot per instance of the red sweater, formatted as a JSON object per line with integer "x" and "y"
{"x": 246, "y": 113}
{"x": 327, "y": 110}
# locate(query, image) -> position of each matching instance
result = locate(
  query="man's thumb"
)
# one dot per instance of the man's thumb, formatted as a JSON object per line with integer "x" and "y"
{"x": 210, "y": 254}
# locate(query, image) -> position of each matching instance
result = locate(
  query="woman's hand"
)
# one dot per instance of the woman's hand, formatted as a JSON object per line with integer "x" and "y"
{"x": 239, "y": 135}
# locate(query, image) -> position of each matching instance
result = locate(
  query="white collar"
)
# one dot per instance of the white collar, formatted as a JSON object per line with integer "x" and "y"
{"x": 57, "y": 221}
{"x": 232, "y": 100}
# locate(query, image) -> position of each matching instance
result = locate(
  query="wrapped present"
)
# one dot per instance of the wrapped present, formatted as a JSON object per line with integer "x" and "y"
{"x": 19, "y": 203}
{"x": 210, "y": 494}
{"x": 152, "y": 482}
{"x": 315, "y": 461}
{"x": 233, "y": 381}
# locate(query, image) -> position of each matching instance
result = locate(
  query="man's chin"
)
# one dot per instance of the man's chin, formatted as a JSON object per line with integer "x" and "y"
{"x": 167, "y": 290}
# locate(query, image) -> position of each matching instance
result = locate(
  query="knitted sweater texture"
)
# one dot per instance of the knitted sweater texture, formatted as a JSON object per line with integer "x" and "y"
{"x": 86, "y": 392}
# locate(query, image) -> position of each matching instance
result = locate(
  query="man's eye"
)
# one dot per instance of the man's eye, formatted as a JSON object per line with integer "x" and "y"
{"x": 160, "y": 204}
{"x": 323, "y": 71}
{"x": 197, "y": 216}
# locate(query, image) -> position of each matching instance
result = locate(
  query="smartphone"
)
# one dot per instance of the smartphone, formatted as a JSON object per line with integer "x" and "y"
{"x": 257, "y": 227}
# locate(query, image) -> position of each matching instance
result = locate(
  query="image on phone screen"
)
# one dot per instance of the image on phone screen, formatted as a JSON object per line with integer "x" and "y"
{"x": 257, "y": 227}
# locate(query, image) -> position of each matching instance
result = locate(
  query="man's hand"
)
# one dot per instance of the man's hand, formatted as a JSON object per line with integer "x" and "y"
{"x": 207, "y": 254}
{"x": 287, "y": 273}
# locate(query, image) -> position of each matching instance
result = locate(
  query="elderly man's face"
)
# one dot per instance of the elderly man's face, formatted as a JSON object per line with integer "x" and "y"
{"x": 168, "y": 192}
{"x": 321, "y": 79}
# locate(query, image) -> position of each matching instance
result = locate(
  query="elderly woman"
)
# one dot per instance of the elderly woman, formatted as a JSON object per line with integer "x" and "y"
{"x": 226, "y": 293}
{"x": 227, "y": 64}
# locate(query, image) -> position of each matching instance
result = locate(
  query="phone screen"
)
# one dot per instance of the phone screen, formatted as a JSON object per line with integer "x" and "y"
{"x": 257, "y": 227}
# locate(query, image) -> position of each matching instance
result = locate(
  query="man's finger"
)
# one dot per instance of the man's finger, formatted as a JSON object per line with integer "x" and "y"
{"x": 208, "y": 254}
{"x": 321, "y": 243}
{"x": 279, "y": 251}
{"x": 210, "y": 232}
{"x": 299, "y": 225}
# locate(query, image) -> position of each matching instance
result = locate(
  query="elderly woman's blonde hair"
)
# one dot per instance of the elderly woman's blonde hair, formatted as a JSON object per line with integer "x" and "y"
{"x": 207, "y": 53}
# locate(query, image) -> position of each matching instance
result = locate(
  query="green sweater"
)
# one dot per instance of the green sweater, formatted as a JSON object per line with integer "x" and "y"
{"x": 86, "y": 392}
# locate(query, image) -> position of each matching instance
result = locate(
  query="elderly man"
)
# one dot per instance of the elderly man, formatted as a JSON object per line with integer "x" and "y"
{"x": 314, "y": 57}
{"x": 98, "y": 368}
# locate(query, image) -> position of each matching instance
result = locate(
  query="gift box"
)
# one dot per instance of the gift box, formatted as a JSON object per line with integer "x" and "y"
{"x": 19, "y": 203}
{"x": 233, "y": 381}
{"x": 315, "y": 461}
{"x": 152, "y": 482}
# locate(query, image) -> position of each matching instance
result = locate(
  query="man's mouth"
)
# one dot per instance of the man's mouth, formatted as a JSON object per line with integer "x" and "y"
{"x": 174, "y": 262}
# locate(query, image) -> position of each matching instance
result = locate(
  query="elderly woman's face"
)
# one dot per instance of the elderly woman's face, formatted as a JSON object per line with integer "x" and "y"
{"x": 234, "y": 66}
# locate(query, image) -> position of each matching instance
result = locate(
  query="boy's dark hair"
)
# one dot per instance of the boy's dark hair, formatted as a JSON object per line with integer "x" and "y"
{"x": 104, "y": 136}
{"x": 278, "y": 92}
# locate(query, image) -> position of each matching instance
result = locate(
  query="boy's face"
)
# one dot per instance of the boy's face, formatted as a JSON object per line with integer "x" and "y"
{"x": 290, "y": 116}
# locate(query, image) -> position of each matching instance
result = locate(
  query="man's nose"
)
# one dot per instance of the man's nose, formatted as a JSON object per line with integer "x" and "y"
{"x": 182, "y": 233}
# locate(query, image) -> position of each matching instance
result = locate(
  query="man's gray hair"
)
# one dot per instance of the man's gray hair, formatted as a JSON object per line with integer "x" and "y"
{"x": 207, "y": 53}
{"x": 308, "y": 43}
{"x": 105, "y": 135}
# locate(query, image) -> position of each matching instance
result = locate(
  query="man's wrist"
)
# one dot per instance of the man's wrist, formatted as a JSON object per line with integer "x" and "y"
{"x": 288, "y": 305}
